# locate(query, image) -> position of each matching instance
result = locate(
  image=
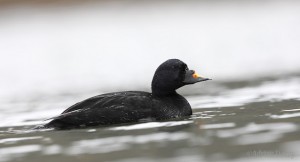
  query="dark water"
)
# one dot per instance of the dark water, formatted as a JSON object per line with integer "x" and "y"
{"x": 256, "y": 120}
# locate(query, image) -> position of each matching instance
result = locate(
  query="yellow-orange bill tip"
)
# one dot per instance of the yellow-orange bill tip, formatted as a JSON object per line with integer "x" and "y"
{"x": 195, "y": 75}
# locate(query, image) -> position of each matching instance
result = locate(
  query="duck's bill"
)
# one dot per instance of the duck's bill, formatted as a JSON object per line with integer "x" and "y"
{"x": 200, "y": 79}
{"x": 192, "y": 77}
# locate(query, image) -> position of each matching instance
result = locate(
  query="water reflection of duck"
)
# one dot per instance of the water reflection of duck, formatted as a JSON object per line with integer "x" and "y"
{"x": 133, "y": 106}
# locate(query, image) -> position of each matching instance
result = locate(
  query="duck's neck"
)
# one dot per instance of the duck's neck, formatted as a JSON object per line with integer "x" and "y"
{"x": 164, "y": 85}
{"x": 163, "y": 92}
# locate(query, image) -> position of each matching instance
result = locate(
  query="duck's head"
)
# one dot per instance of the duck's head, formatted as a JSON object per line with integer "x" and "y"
{"x": 171, "y": 75}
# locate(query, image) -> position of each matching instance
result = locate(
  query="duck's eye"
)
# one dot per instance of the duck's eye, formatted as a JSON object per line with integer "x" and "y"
{"x": 186, "y": 68}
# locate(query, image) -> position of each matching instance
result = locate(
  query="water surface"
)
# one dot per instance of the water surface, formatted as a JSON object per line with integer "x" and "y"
{"x": 231, "y": 121}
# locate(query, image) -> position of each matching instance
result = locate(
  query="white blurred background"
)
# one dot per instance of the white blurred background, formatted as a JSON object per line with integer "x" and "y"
{"x": 57, "y": 47}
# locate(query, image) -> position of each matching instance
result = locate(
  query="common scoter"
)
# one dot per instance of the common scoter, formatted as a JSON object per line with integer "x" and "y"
{"x": 133, "y": 106}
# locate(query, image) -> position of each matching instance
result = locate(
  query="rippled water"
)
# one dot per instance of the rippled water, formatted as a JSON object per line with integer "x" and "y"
{"x": 232, "y": 121}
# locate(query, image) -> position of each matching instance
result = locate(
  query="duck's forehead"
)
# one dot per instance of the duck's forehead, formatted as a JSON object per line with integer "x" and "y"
{"x": 180, "y": 64}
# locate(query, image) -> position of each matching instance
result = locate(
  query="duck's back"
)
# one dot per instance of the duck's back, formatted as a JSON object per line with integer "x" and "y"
{"x": 105, "y": 109}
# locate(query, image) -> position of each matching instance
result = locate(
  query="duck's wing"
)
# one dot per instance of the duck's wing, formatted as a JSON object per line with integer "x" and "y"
{"x": 82, "y": 106}
{"x": 105, "y": 109}
{"x": 128, "y": 98}
{"x": 90, "y": 102}
{"x": 64, "y": 114}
